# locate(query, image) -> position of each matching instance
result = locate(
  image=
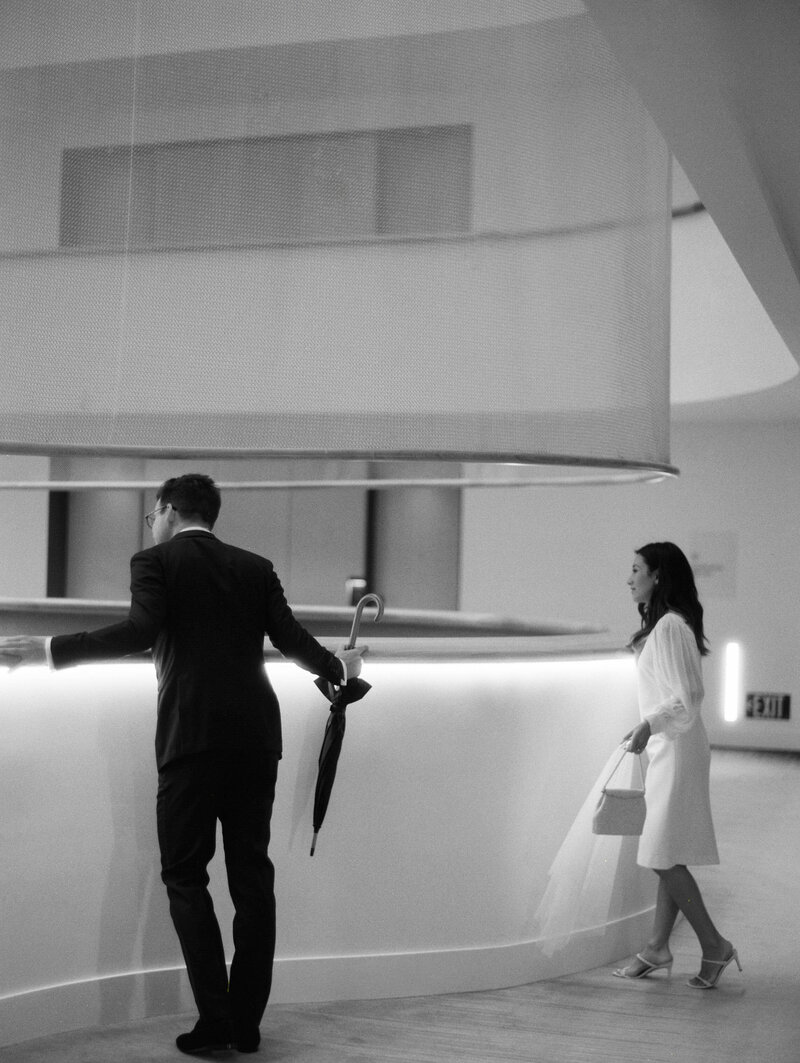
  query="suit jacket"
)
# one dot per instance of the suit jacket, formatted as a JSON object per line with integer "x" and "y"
{"x": 203, "y": 607}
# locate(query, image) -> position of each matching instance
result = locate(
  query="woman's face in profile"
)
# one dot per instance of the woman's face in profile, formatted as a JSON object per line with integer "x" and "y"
{"x": 641, "y": 581}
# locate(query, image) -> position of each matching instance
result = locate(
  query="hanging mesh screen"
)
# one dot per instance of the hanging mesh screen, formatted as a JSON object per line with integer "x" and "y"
{"x": 340, "y": 230}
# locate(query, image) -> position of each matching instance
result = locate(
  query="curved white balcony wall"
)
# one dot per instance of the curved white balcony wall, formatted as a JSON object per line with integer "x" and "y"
{"x": 459, "y": 779}
{"x": 722, "y": 343}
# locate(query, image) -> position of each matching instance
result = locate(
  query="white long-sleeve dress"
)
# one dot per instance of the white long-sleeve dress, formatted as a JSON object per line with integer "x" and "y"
{"x": 678, "y": 827}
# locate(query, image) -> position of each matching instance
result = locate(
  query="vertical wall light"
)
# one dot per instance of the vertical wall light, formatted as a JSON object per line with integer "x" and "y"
{"x": 732, "y": 682}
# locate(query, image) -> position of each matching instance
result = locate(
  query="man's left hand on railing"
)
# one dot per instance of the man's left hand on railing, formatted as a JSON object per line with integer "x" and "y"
{"x": 18, "y": 650}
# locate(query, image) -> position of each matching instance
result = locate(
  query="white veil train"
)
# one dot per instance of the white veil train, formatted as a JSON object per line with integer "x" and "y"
{"x": 580, "y": 892}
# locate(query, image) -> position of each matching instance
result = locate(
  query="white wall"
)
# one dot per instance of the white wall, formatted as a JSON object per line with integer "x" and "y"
{"x": 566, "y": 552}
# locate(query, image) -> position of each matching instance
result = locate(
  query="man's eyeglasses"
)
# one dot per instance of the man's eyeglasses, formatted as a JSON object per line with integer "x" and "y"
{"x": 150, "y": 519}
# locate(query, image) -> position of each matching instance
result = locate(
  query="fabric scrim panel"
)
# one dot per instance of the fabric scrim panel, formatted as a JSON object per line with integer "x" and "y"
{"x": 296, "y": 229}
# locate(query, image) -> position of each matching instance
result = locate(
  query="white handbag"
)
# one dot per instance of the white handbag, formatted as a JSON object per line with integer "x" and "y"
{"x": 620, "y": 811}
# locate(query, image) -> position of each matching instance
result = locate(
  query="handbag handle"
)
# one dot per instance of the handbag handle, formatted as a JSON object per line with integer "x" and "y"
{"x": 614, "y": 770}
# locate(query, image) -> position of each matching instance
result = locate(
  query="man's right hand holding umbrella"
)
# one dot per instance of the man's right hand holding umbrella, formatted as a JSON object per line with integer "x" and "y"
{"x": 351, "y": 689}
{"x": 350, "y": 656}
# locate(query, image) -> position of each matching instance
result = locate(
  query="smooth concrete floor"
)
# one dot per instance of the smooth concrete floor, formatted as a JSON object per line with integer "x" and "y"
{"x": 750, "y": 1017}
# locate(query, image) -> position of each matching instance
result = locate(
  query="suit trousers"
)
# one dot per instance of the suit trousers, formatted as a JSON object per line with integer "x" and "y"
{"x": 236, "y": 788}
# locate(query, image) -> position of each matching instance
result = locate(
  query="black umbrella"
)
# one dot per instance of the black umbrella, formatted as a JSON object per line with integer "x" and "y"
{"x": 340, "y": 697}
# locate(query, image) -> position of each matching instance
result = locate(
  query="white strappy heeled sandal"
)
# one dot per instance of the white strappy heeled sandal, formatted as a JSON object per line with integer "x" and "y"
{"x": 647, "y": 968}
{"x": 698, "y": 982}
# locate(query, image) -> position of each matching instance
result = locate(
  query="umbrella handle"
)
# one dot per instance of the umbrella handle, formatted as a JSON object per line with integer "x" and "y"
{"x": 378, "y": 602}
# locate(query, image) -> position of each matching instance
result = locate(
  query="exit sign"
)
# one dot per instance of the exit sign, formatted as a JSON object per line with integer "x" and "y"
{"x": 768, "y": 706}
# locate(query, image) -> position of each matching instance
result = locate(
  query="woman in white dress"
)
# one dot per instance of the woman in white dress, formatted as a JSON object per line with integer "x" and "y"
{"x": 678, "y": 829}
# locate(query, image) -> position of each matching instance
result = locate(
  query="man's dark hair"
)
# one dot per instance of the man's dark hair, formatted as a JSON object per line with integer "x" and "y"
{"x": 193, "y": 495}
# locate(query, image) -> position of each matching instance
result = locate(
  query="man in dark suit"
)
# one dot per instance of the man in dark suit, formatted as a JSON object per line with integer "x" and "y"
{"x": 203, "y": 607}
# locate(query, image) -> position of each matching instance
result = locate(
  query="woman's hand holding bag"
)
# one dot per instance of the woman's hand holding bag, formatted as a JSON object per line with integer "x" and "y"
{"x": 620, "y": 811}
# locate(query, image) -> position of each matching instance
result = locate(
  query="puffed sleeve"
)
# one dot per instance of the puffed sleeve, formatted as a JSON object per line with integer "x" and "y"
{"x": 676, "y": 664}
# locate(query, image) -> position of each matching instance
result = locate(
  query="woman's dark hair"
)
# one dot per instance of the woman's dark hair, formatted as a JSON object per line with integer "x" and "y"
{"x": 193, "y": 495}
{"x": 674, "y": 591}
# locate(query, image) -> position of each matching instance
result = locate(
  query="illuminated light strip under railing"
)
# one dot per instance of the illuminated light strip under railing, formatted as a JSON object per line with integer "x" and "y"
{"x": 732, "y": 682}
{"x": 452, "y": 668}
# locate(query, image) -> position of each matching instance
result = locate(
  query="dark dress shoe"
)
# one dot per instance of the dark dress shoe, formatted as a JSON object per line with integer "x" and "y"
{"x": 206, "y": 1037}
{"x": 248, "y": 1038}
